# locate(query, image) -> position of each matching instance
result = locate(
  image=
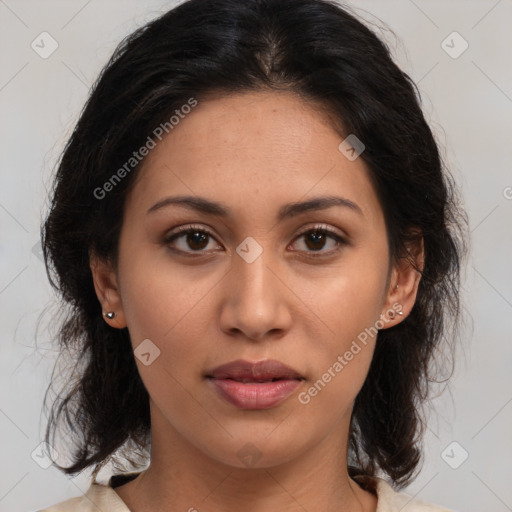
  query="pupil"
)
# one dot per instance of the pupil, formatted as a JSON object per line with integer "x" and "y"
{"x": 193, "y": 238}
{"x": 318, "y": 237}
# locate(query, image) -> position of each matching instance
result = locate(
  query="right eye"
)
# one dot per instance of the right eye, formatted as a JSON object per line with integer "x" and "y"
{"x": 189, "y": 237}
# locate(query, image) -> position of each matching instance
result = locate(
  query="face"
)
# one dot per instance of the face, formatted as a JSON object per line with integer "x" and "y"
{"x": 253, "y": 277}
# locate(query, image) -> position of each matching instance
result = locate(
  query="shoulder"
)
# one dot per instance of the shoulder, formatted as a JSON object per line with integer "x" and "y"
{"x": 98, "y": 497}
{"x": 391, "y": 501}
{"x": 103, "y": 497}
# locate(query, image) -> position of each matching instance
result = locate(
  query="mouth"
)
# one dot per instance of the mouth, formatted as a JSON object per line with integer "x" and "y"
{"x": 260, "y": 385}
{"x": 261, "y": 371}
{"x": 255, "y": 381}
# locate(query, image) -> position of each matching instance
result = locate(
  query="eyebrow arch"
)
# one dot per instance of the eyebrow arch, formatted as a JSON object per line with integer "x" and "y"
{"x": 288, "y": 210}
{"x": 317, "y": 203}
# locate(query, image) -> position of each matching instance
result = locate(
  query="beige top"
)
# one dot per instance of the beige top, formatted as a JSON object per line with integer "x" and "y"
{"x": 102, "y": 497}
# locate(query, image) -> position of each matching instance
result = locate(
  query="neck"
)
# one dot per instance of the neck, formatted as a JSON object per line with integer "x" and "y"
{"x": 182, "y": 477}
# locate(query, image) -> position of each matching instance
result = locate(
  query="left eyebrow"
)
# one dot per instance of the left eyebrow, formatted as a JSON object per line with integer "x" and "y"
{"x": 317, "y": 203}
{"x": 288, "y": 210}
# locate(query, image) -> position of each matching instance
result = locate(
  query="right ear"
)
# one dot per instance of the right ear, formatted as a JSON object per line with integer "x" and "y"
{"x": 107, "y": 290}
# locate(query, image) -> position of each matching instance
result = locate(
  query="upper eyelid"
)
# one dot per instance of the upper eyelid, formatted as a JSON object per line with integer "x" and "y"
{"x": 187, "y": 227}
{"x": 322, "y": 227}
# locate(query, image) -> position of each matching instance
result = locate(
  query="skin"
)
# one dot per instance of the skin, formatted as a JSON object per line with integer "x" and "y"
{"x": 253, "y": 152}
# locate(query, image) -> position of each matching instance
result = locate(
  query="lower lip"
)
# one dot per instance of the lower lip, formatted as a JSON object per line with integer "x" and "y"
{"x": 255, "y": 395}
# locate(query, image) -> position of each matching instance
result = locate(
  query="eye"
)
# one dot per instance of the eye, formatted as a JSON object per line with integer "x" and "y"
{"x": 196, "y": 239}
{"x": 316, "y": 238}
{"x": 189, "y": 237}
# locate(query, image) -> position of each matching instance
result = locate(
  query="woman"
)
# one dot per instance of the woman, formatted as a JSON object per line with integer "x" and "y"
{"x": 261, "y": 251}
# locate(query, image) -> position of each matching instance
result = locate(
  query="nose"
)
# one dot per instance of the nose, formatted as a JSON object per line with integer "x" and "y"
{"x": 255, "y": 303}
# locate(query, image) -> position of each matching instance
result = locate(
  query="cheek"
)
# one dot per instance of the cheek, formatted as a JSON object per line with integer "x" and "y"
{"x": 168, "y": 307}
{"x": 346, "y": 298}
{"x": 174, "y": 318}
{"x": 156, "y": 295}
{"x": 340, "y": 359}
{"x": 347, "y": 304}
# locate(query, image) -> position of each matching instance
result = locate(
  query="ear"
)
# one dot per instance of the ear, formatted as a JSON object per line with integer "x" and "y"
{"x": 404, "y": 280}
{"x": 107, "y": 290}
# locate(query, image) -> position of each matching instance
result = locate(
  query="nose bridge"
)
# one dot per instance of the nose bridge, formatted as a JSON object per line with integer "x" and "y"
{"x": 254, "y": 281}
{"x": 256, "y": 303}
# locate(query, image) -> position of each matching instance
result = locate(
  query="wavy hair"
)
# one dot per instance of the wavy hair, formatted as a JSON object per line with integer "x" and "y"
{"x": 320, "y": 51}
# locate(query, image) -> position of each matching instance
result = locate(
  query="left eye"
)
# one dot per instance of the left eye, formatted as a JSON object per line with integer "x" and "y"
{"x": 315, "y": 240}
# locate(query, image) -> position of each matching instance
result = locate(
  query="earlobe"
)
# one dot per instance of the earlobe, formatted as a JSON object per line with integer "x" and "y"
{"x": 107, "y": 290}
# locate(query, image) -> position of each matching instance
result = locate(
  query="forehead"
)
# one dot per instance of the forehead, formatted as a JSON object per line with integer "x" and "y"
{"x": 254, "y": 151}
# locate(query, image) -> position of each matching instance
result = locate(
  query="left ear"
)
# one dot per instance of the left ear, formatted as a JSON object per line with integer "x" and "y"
{"x": 404, "y": 280}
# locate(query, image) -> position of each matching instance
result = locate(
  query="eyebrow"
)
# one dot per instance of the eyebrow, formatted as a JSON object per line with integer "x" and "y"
{"x": 204, "y": 205}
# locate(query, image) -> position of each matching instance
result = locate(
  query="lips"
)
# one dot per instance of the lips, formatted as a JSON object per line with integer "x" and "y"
{"x": 262, "y": 371}
{"x": 259, "y": 385}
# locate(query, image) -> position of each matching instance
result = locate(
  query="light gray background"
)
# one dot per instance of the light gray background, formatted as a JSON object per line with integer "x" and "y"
{"x": 468, "y": 101}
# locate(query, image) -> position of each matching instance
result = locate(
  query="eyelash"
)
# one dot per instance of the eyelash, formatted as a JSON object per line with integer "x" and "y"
{"x": 184, "y": 230}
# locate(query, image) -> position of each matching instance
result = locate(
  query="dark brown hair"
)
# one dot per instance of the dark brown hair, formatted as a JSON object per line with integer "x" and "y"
{"x": 318, "y": 50}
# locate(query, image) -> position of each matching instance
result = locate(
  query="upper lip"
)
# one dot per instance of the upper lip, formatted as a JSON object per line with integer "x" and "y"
{"x": 259, "y": 371}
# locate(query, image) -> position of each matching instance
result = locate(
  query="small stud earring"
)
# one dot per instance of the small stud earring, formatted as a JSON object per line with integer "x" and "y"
{"x": 109, "y": 315}
{"x": 400, "y": 312}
